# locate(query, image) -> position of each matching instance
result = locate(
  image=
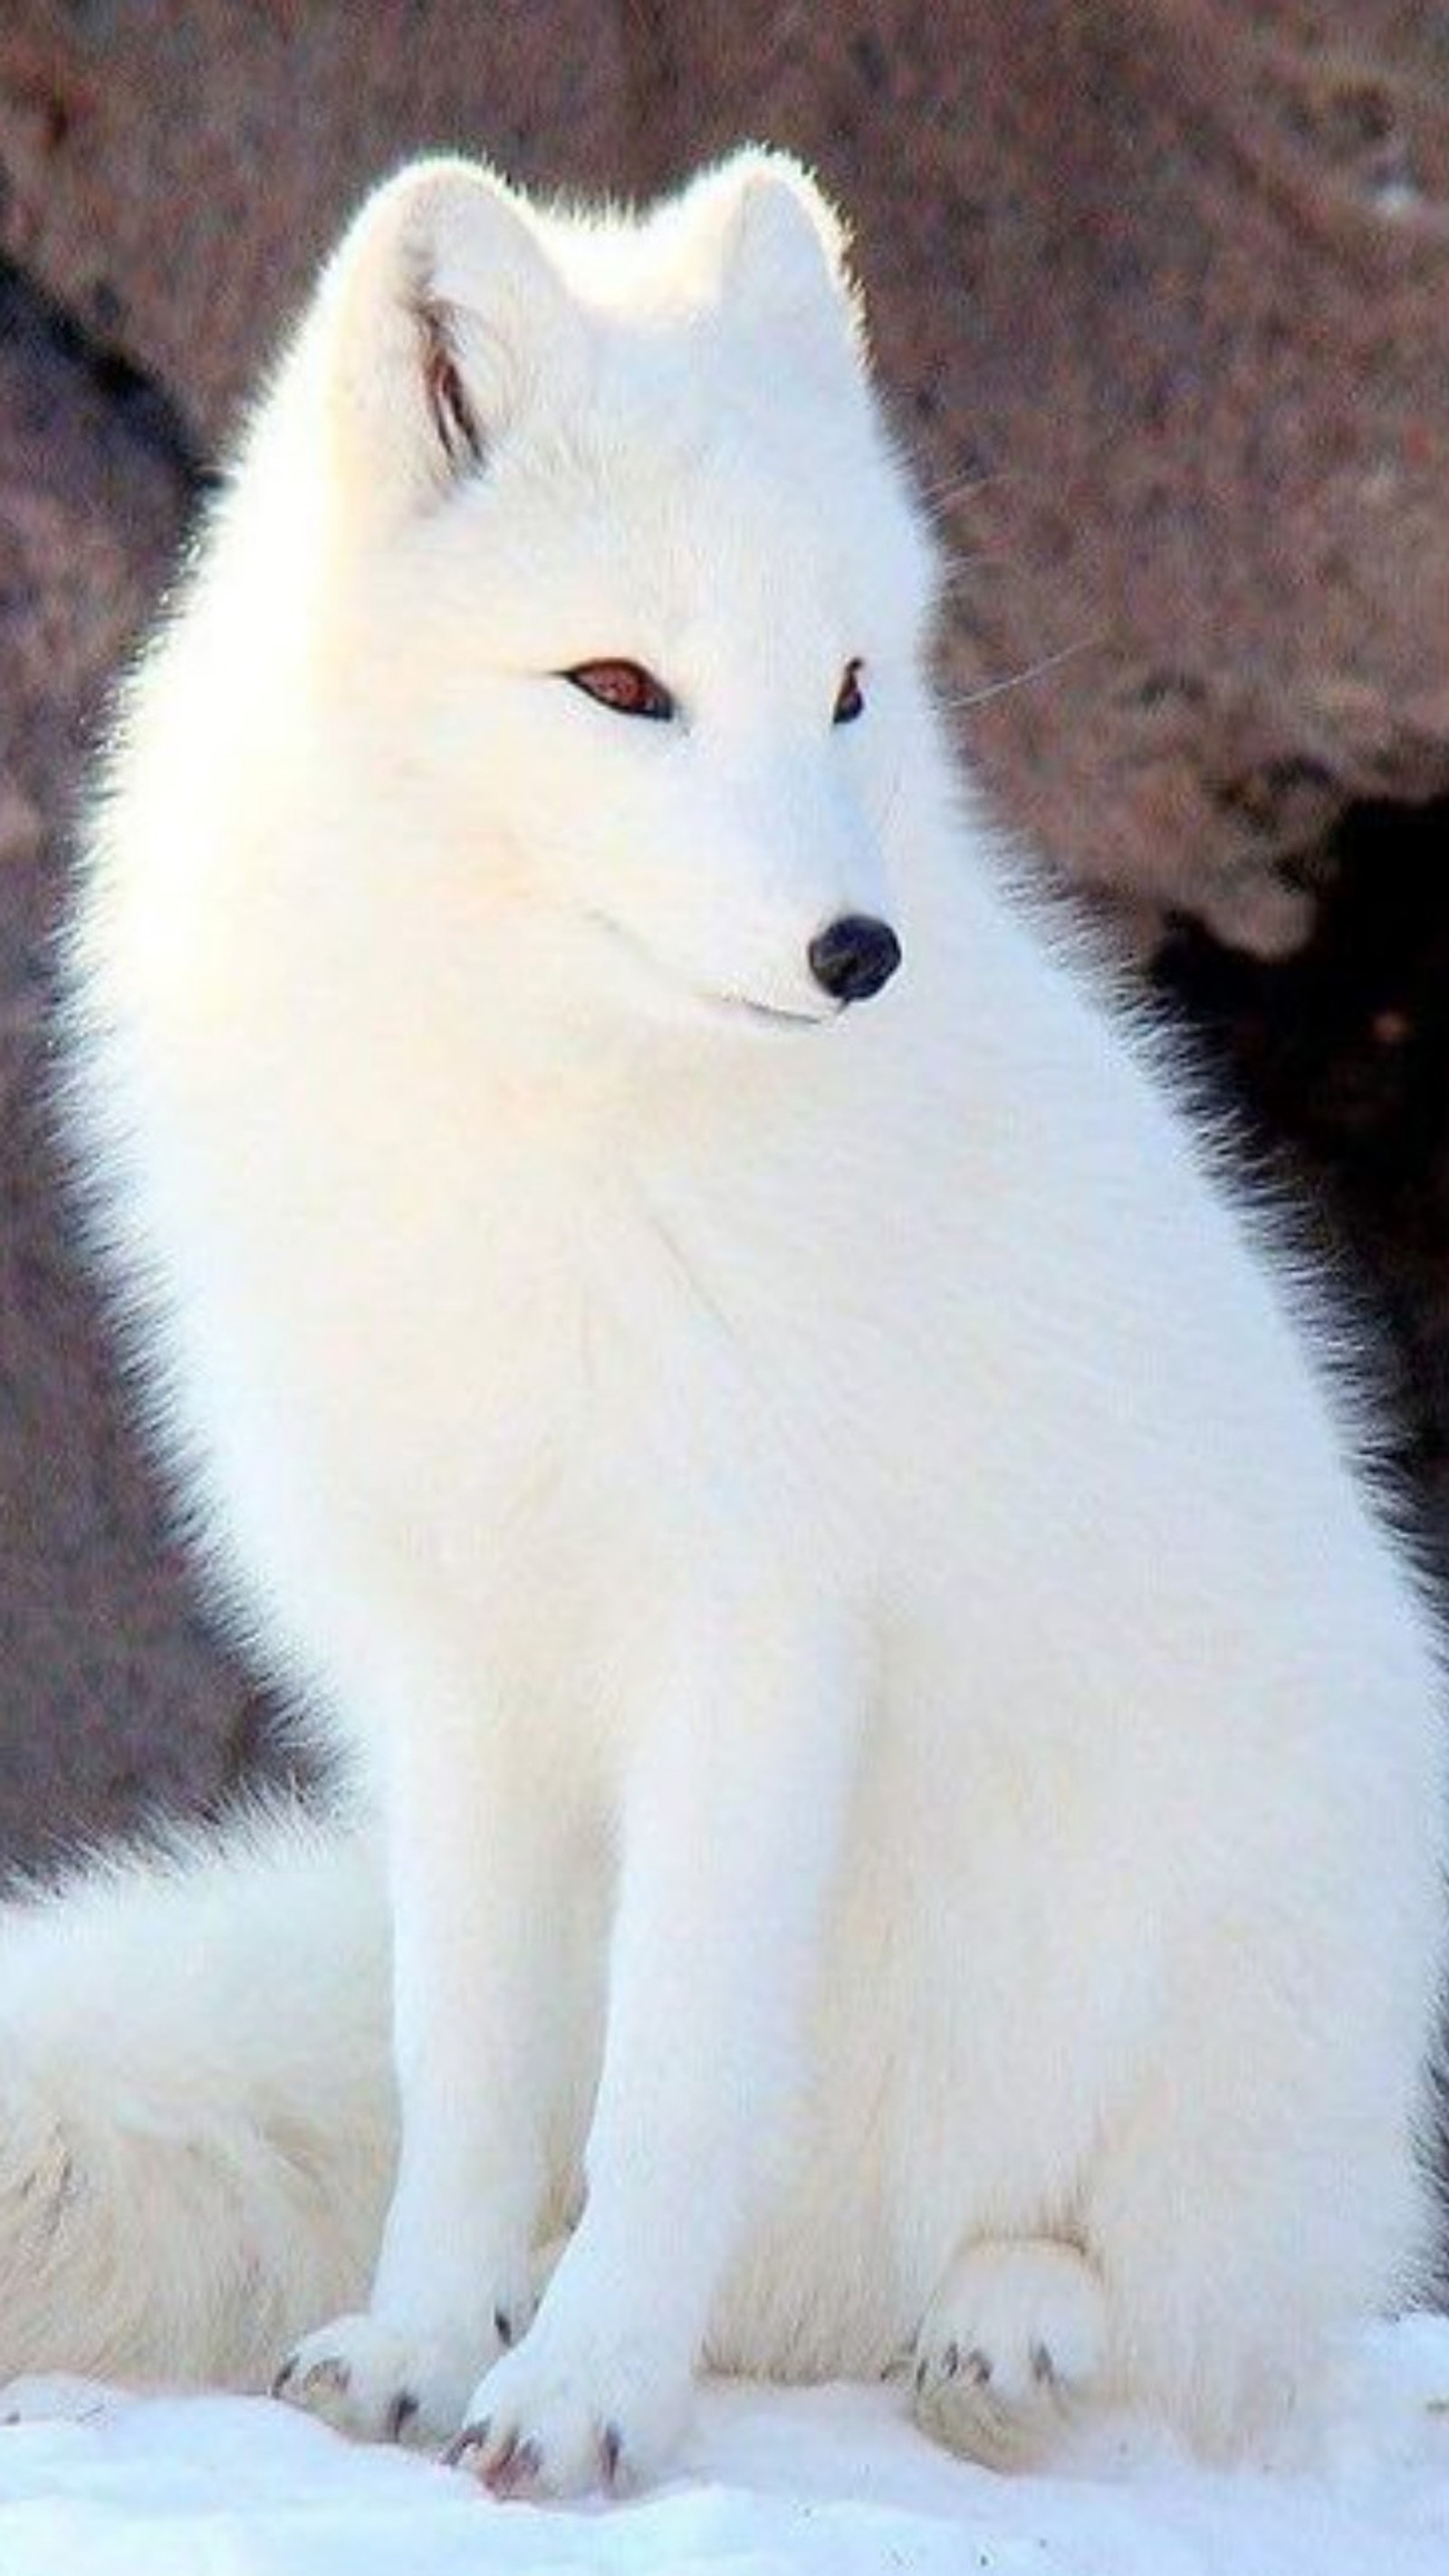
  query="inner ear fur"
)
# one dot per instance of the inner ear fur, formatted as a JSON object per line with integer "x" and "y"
{"x": 455, "y": 423}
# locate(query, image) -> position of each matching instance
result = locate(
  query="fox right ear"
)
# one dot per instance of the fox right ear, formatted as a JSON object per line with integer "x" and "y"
{"x": 439, "y": 318}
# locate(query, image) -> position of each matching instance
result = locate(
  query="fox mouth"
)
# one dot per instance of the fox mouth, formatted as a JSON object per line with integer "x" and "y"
{"x": 730, "y": 1006}
{"x": 767, "y": 1014}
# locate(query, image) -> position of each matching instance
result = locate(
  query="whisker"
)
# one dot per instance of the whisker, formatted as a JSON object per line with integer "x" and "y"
{"x": 943, "y": 494}
{"x": 1018, "y": 679}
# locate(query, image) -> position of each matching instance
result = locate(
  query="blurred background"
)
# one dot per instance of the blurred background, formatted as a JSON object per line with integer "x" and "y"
{"x": 1160, "y": 292}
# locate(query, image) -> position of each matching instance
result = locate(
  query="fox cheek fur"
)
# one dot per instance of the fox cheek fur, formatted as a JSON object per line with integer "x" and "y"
{"x": 894, "y": 1809}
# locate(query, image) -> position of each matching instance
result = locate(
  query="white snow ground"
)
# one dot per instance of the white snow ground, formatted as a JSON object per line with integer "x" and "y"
{"x": 809, "y": 2482}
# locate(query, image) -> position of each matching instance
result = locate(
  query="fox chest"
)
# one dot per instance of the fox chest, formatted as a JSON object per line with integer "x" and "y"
{"x": 536, "y": 1390}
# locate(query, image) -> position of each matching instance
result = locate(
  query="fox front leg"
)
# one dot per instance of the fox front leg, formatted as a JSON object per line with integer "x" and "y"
{"x": 477, "y": 1859}
{"x": 731, "y": 1827}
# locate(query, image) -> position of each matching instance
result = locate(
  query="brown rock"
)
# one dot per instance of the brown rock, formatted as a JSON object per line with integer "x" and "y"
{"x": 114, "y": 1701}
{"x": 174, "y": 173}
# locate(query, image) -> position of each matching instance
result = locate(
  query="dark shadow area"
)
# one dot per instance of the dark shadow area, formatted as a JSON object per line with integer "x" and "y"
{"x": 140, "y": 406}
{"x": 1339, "y": 1059}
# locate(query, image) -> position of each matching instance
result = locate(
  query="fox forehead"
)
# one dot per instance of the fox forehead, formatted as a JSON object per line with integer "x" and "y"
{"x": 681, "y": 510}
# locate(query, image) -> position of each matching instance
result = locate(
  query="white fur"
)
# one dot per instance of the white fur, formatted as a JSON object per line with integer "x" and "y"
{"x": 910, "y": 1766}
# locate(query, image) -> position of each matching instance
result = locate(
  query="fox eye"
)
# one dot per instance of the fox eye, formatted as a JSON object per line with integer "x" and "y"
{"x": 625, "y": 686}
{"x": 849, "y": 697}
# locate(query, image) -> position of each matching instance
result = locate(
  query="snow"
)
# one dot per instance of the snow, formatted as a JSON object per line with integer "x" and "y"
{"x": 805, "y": 2482}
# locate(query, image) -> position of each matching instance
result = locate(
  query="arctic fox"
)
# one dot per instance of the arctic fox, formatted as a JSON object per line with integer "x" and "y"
{"x": 893, "y": 1761}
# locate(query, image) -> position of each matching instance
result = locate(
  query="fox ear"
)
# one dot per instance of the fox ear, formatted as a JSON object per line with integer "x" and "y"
{"x": 439, "y": 319}
{"x": 780, "y": 253}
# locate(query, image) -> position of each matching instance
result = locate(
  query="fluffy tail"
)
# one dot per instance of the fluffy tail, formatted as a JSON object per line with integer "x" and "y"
{"x": 196, "y": 2114}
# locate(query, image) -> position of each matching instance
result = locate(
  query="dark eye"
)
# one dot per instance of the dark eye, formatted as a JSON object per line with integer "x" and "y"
{"x": 625, "y": 686}
{"x": 849, "y": 698}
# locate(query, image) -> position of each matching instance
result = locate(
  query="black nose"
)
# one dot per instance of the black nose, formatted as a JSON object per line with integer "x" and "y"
{"x": 854, "y": 956}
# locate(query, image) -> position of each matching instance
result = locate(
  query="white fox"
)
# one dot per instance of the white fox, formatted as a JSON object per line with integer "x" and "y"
{"x": 894, "y": 1761}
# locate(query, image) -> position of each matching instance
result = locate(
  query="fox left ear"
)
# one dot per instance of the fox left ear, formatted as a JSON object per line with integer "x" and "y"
{"x": 780, "y": 252}
{"x": 439, "y": 321}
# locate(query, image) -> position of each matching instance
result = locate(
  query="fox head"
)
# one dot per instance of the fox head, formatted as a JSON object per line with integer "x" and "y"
{"x": 624, "y": 593}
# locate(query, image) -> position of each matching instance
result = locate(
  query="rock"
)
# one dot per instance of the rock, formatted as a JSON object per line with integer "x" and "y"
{"x": 115, "y": 1702}
{"x": 173, "y": 173}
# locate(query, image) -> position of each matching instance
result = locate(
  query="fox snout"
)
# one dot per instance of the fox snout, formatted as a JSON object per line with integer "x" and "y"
{"x": 853, "y": 957}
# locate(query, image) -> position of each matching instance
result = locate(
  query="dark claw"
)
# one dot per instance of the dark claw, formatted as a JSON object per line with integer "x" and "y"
{"x": 503, "y": 2327}
{"x": 285, "y": 2377}
{"x": 921, "y": 2370}
{"x": 400, "y": 2414}
{"x": 472, "y": 2438}
{"x": 1043, "y": 2368}
{"x": 519, "y": 2464}
{"x": 977, "y": 2367}
{"x": 611, "y": 2452}
{"x": 951, "y": 2360}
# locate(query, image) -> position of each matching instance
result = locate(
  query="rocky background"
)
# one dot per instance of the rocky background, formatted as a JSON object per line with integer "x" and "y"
{"x": 1161, "y": 295}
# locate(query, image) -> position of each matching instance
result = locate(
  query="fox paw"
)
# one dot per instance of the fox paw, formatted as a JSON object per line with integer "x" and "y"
{"x": 385, "y": 2383}
{"x": 559, "y": 2419}
{"x": 1014, "y": 2338}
